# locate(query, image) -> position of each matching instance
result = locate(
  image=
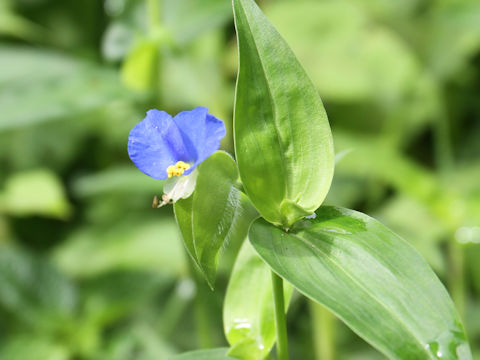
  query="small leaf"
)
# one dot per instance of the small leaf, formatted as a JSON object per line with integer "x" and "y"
{"x": 283, "y": 142}
{"x": 248, "y": 317}
{"x": 370, "y": 278}
{"x": 217, "y": 213}
{"x": 211, "y": 354}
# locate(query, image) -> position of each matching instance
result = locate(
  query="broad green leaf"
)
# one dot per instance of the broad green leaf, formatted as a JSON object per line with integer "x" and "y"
{"x": 35, "y": 192}
{"x": 248, "y": 317}
{"x": 370, "y": 278}
{"x": 217, "y": 213}
{"x": 283, "y": 142}
{"x": 210, "y": 354}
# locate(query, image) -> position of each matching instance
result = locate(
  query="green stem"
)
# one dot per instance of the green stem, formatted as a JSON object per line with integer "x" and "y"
{"x": 280, "y": 318}
{"x": 445, "y": 163}
{"x": 456, "y": 275}
{"x": 323, "y": 329}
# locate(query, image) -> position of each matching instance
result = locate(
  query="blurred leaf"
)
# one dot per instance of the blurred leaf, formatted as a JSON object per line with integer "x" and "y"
{"x": 414, "y": 222}
{"x": 118, "y": 179}
{"x": 113, "y": 295}
{"x": 138, "y": 341}
{"x": 140, "y": 69}
{"x": 348, "y": 57}
{"x": 41, "y": 85}
{"x": 395, "y": 301}
{"x": 19, "y": 347}
{"x": 187, "y": 19}
{"x": 117, "y": 40}
{"x": 406, "y": 176}
{"x": 283, "y": 142}
{"x": 136, "y": 245}
{"x": 12, "y": 24}
{"x": 211, "y": 354}
{"x": 32, "y": 290}
{"x": 217, "y": 213}
{"x": 248, "y": 318}
{"x": 452, "y": 24}
{"x": 36, "y": 192}
{"x": 191, "y": 77}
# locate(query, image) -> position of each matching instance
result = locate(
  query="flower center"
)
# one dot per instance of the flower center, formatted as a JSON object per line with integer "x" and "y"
{"x": 177, "y": 169}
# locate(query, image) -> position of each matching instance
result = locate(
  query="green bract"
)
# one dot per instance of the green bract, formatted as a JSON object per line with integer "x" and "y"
{"x": 283, "y": 142}
{"x": 370, "y": 278}
{"x": 216, "y": 213}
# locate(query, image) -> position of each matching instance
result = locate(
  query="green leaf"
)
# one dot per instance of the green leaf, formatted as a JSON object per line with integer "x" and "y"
{"x": 248, "y": 317}
{"x": 370, "y": 278}
{"x": 210, "y": 354}
{"x": 35, "y": 192}
{"x": 283, "y": 142}
{"x": 217, "y": 213}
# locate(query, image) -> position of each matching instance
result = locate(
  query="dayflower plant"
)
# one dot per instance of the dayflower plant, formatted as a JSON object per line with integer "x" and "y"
{"x": 273, "y": 192}
{"x": 171, "y": 148}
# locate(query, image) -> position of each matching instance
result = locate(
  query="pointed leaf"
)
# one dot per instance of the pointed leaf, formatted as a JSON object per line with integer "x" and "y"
{"x": 370, "y": 278}
{"x": 283, "y": 142}
{"x": 218, "y": 212}
{"x": 248, "y": 317}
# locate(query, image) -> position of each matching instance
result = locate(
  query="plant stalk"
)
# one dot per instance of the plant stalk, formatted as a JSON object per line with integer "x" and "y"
{"x": 323, "y": 330}
{"x": 280, "y": 318}
{"x": 203, "y": 327}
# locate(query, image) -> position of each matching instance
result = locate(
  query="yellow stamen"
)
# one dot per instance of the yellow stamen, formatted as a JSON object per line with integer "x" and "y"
{"x": 177, "y": 169}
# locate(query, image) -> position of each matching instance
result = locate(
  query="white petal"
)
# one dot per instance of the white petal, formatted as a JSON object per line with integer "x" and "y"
{"x": 180, "y": 187}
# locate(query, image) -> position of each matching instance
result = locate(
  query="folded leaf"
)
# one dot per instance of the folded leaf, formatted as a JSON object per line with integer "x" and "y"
{"x": 283, "y": 142}
{"x": 218, "y": 212}
{"x": 370, "y": 278}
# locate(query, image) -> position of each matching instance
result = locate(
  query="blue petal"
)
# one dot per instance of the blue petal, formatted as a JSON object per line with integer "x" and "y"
{"x": 202, "y": 133}
{"x": 156, "y": 143}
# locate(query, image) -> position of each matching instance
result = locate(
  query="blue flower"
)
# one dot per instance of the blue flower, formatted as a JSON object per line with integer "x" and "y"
{"x": 164, "y": 147}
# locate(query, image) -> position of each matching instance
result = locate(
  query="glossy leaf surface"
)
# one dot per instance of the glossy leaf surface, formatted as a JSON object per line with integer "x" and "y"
{"x": 210, "y": 354}
{"x": 248, "y": 316}
{"x": 283, "y": 142}
{"x": 370, "y": 278}
{"x": 218, "y": 212}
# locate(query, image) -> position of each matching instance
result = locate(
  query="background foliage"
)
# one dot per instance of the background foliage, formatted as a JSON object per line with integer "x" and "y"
{"x": 89, "y": 271}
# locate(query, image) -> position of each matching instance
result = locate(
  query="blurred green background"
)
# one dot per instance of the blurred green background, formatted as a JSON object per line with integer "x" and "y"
{"x": 89, "y": 271}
